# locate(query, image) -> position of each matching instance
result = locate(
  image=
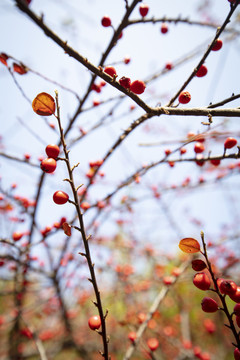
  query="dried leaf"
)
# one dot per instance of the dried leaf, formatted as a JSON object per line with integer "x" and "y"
{"x": 189, "y": 245}
{"x": 20, "y": 69}
{"x": 67, "y": 229}
{"x": 44, "y": 104}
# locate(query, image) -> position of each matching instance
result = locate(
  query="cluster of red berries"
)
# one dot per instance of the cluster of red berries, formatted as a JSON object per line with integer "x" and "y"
{"x": 49, "y": 164}
{"x": 225, "y": 287}
{"x": 137, "y": 86}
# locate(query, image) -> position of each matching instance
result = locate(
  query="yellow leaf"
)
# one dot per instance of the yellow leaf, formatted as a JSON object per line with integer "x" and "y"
{"x": 189, "y": 245}
{"x": 66, "y": 229}
{"x": 44, "y": 104}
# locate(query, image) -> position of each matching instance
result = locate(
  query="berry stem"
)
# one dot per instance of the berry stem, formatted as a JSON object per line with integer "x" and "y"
{"x": 221, "y": 297}
{"x": 84, "y": 236}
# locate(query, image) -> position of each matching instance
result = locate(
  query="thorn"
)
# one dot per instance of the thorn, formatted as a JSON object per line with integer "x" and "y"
{"x": 79, "y": 187}
{"x": 82, "y": 254}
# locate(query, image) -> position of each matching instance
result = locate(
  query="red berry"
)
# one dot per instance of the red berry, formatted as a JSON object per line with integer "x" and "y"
{"x": 132, "y": 336}
{"x": 201, "y": 281}
{"x": 143, "y": 9}
{"x": 209, "y": 305}
{"x": 198, "y": 265}
{"x": 199, "y": 160}
{"x": 52, "y": 151}
{"x": 236, "y": 354}
{"x": 209, "y": 326}
{"x": 96, "y": 102}
{"x": 236, "y": 309}
{"x": 167, "y": 152}
{"x": 153, "y": 344}
{"x": 184, "y": 97}
{"x": 217, "y": 45}
{"x": 238, "y": 320}
{"x": 48, "y": 165}
{"x": 27, "y": 156}
{"x": 17, "y": 236}
{"x": 106, "y": 21}
{"x": 125, "y": 82}
{"x": 230, "y": 142}
{"x": 94, "y": 322}
{"x": 227, "y": 287}
{"x": 183, "y": 151}
{"x": 60, "y": 197}
{"x": 137, "y": 87}
{"x": 164, "y": 28}
{"x": 85, "y": 205}
{"x": 96, "y": 87}
{"x": 141, "y": 317}
{"x": 202, "y": 71}
{"x": 168, "y": 66}
{"x": 127, "y": 60}
{"x": 215, "y": 162}
{"x": 199, "y": 147}
{"x": 110, "y": 70}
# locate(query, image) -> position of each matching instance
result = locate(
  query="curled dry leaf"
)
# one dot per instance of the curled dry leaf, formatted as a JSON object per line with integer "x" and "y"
{"x": 44, "y": 104}
{"x": 189, "y": 245}
{"x": 67, "y": 229}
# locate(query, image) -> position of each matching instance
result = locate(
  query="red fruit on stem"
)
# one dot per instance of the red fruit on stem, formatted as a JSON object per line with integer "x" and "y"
{"x": 110, "y": 70}
{"x": 236, "y": 296}
{"x": 60, "y": 197}
{"x": 209, "y": 305}
{"x": 215, "y": 162}
{"x": 164, "y": 28}
{"x": 52, "y": 151}
{"x": 132, "y": 336}
{"x": 137, "y": 87}
{"x": 168, "y": 66}
{"x": 125, "y": 82}
{"x": 199, "y": 147}
{"x": 183, "y": 151}
{"x": 201, "y": 281}
{"x": 227, "y": 287}
{"x": 141, "y": 317}
{"x": 236, "y": 354}
{"x": 48, "y": 165}
{"x": 143, "y": 9}
{"x": 184, "y": 97}
{"x": 94, "y": 322}
{"x": 238, "y": 320}
{"x": 217, "y": 45}
{"x": 198, "y": 265}
{"x": 17, "y": 236}
{"x": 202, "y": 71}
{"x": 153, "y": 344}
{"x": 106, "y": 21}
{"x": 236, "y": 309}
{"x": 127, "y": 60}
{"x": 85, "y": 205}
{"x": 230, "y": 142}
{"x": 199, "y": 160}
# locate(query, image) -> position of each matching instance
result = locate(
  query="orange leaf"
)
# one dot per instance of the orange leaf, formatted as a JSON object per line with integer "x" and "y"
{"x": 20, "y": 69}
{"x": 189, "y": 245}
{"x": 44, "y": 104}
{"x": 66, "y": 229}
